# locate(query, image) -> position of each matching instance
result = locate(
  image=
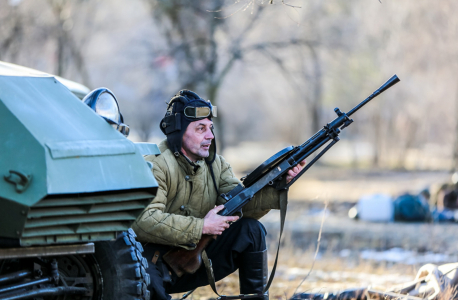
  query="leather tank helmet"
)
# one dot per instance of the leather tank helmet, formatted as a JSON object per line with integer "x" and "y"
{"x": 186, "y": 107}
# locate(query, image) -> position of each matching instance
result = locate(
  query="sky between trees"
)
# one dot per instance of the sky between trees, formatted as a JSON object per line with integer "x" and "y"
{"x": 275, "y": 71}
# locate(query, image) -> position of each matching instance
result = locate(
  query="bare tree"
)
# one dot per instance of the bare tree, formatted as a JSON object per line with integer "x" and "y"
{"x": 68, "y": 51}
{"x": 201, "y": 41}
{"x": 26, "y": 25}
{"x": 11, "y": 30}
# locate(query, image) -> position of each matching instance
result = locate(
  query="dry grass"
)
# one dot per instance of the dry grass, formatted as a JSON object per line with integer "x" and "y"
{"x": 330, "y": 273}
{"x": 332, "y": 270}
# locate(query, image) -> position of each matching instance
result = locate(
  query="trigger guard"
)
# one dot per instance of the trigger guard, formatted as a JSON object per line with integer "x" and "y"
{"x": 239, "y": 213}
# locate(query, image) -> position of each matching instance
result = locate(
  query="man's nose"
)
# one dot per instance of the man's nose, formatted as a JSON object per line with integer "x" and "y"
{"x": 209, "y": 135}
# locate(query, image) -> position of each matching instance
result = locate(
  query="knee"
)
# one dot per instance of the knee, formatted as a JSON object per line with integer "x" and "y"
{"x": 252, "y": 225}
{"x": 254, "y": 229}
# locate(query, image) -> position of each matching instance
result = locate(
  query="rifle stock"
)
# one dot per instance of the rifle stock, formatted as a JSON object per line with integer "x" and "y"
{"x": 183, "y": 261}
{"x": 272, "y": 172}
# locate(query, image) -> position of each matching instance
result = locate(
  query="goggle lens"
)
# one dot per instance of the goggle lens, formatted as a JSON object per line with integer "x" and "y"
{"x": 199, "y": 112}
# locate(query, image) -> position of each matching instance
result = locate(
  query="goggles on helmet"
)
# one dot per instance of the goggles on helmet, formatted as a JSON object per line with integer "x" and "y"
{"x": 199, "y": 112}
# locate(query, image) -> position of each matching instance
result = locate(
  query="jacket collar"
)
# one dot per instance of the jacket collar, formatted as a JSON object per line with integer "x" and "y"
{"x": 189, "y": 166}
{"x": 185, "y": 163}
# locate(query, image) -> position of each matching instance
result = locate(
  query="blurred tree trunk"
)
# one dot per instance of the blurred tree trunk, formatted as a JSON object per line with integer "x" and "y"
{"x": 377, "y": 140}
{"x": 409, "y": 134}
{"x": 317, "y": 89}
{"x": 60, "y": 49}
{"x": 455, "y": 144}
{"x": 13, "y": 22}
{"x": 190, "y": 31}
{"x": 212, "y": 92}
{"x": 67, "y": 50}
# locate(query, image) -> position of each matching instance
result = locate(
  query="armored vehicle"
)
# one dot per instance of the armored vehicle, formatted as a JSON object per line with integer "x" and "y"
{"x": 70, "y": 188}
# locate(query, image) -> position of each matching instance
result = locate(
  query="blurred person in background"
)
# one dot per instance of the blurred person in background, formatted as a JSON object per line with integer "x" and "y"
{"x": 446, "y": 202}
{"x": 191, "y": 176}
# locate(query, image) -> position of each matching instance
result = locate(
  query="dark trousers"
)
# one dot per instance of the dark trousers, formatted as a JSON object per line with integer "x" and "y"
{"x": 245, "y": 235}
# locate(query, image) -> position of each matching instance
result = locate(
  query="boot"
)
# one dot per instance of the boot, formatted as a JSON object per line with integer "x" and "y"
{"x": 253, "y": 274}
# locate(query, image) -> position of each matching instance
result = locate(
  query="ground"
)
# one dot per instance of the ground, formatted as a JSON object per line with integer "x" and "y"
{"x": 352, "y": 253}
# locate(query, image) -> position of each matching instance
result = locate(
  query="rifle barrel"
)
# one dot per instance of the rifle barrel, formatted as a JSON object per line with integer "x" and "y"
{"x": 392, "y": 81}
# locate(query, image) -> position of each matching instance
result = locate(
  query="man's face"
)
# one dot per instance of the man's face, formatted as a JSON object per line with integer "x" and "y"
{"x": 197, "y": 139}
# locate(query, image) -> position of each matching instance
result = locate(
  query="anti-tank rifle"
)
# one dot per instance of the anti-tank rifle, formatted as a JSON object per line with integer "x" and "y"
{"x": 273, "y": 173}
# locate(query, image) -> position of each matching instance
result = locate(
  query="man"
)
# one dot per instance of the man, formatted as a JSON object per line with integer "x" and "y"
{"x": 191, "y": 176}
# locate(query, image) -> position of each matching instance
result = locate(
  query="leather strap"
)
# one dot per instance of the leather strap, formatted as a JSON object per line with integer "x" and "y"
{"x": 283, "y": 207}
{"x": 208, "y": 263}
{"x": 171, "y": 123}
{"x": 155, "y": 257}
{"x": 211, "y": 281}
{"x": 209, "y": 269}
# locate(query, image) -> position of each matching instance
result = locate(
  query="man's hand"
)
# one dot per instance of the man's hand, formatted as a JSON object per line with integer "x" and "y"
{"x": 216, "y": 224}
{"x": 294, "y": 171}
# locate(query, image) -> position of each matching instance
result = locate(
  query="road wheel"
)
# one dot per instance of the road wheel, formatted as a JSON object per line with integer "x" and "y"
{"x": 123, "y": 268}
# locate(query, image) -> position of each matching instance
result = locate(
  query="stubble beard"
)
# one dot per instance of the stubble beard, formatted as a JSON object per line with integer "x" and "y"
{"x": 199, "y": 152}
{"x": 202, "y": 153}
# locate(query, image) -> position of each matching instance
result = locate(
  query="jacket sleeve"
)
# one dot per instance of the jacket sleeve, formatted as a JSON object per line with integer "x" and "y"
{"x": 266, "y": 199}
{"x": 227, "y": 180}
{"x": 155, "y": 226}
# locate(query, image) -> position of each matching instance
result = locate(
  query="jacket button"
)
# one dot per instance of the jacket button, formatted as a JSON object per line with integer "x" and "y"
{"x": 182, "y": 207}
{"x": 186, "y": 178}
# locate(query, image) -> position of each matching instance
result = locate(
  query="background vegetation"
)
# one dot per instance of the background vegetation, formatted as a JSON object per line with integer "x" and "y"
{"x": 276, "y": 70}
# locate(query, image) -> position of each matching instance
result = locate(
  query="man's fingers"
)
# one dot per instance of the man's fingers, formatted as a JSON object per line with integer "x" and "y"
{"x": 218, "y": 208}
{"x": 220, "y": 223}
{"x": 292, "y": 173}
{"x": 295, "y": 171}
{"x": 232, "y": 219}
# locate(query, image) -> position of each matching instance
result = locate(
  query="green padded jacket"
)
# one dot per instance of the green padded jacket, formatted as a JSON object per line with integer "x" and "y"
{"x": 186, "y": 194}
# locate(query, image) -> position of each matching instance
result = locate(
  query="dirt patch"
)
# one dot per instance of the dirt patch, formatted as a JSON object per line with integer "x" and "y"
{"x": 327, "y": 184}
{"x": 340, "y": 232}
{"x": 352, "y": 253}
